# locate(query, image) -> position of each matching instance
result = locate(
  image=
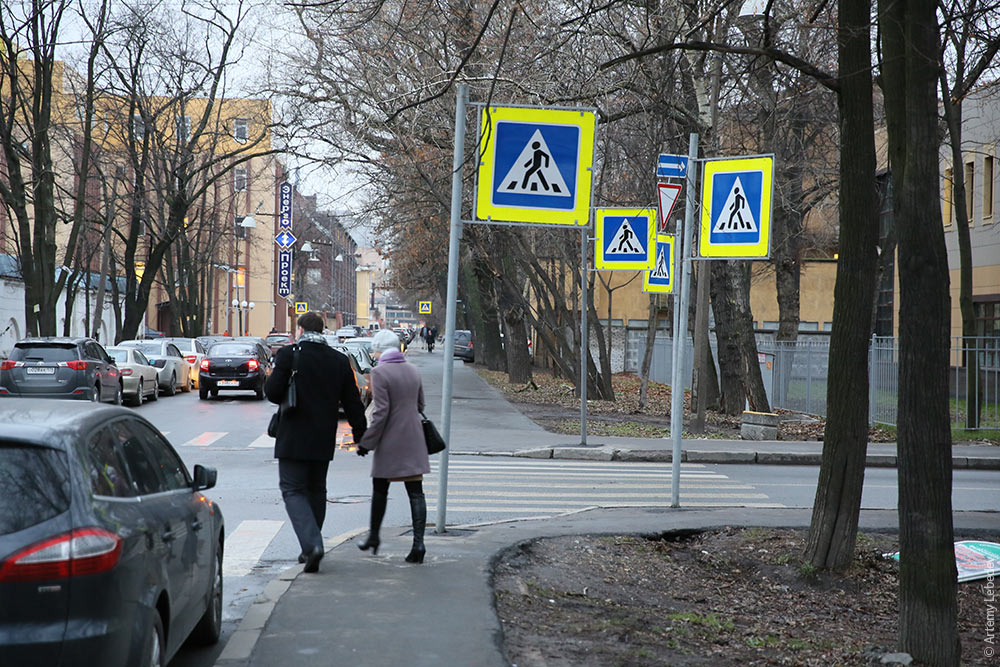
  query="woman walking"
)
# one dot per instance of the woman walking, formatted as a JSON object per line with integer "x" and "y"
{"x": 397, "y": 438}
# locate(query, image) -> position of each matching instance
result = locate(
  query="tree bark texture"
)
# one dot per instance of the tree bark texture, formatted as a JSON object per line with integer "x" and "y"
{"x": 647, "y": 355}
{"x": 928, "y": 606}
{"x": 833, "y": 529}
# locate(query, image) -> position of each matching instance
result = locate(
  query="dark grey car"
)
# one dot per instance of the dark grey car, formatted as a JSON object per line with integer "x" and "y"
{"x": 109, "y": 553}
{"x": 58, "y": 367}
{"x": 464, "y": 348}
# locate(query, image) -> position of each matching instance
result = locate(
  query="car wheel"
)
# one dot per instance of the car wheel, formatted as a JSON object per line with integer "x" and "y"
{"x": 172, "y": 387}
{"x": 215, "y": 393}
{"x": 155, "y": 395}
{"x": 119, "y": 394}
{"x": 260, "y": 392}
{"x": 203, "y": 393}
{"x": 97, "y": 394}
{"x": 136, "y": 401}
{"x": 154, "y": 648}
{"x": 186, "y": 387}
{"x": 210, "y": 626}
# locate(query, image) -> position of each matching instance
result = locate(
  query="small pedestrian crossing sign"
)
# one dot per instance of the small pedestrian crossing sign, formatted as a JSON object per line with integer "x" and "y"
{"x": 736, "y": 208}
{"x": 536, "y": 165}
{"x": 301, "y": 307}
{"x": 625, "y": 238}
{"x": 424, "y": 307}
{"x": 659, "y": 279}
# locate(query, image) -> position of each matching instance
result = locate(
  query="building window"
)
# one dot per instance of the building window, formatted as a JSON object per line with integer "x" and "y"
{"x": 970, "y": 188}
{"x": 239, "y": 179}
{"x": 988, "y": 188}
{"x": 183, "y": 128}
{"x": 948, "y": 193}
{"x": 241, "y": 231}
{"x": 241, "y": 130}
{"x": 138, "y": 128}
{"x": 987, "y": 317}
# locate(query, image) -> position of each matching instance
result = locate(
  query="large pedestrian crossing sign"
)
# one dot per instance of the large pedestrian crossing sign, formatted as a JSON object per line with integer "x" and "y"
{"x": 624, "y": 238}
{"x": 660, "y": 279}
{"x": 736, "y": 208}
{"x": 535, "y": 165}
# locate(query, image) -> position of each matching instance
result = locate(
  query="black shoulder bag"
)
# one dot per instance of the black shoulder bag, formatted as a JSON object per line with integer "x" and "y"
{"x": 432, "y": 438}
{"x": 290, "y": 400}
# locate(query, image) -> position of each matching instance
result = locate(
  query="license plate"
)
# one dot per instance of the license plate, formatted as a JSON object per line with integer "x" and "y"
{"x": 40, "y": 371}
{"x": 229, "y": 383}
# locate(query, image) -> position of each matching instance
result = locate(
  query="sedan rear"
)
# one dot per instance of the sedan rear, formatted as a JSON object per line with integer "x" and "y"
{"x": 233, "y": 366}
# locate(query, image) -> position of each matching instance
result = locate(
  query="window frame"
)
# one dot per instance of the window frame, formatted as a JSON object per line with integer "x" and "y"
{"x": 245, "y": 123}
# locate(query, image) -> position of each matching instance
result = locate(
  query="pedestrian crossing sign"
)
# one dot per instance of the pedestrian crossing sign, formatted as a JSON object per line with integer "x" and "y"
{"x": 535, "y": 165}
{"x": 625, "y": 238}
{"x": 301, "y": 307}
{"x": 424, "y": 307}
{"x": 660, "y": 279}
{"x": 736, "y": 208}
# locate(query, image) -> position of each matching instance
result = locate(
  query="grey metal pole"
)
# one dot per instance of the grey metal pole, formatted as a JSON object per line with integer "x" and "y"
{"x": 680, "y": 334}
{"x": 449, "y": 331}
{"x": 583, "y": 335}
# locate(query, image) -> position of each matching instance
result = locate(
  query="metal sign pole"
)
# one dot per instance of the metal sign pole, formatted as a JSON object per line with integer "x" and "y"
{"x": 451, "y": 301}
{"x": 680, "y": 333}
{"x": 583, "y": 335}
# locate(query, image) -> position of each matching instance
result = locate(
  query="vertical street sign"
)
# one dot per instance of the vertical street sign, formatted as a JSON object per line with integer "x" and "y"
{"x": 285, "y": 252}
{"x": 671, "y": 166}
{"x": 536, "y": 165}
{"x": 660, "y": 279}
{"x": 624, "y": 238}
{"x": 667, "y": 195}
{"x": 736, "y": 208}
{"x": 285, "y": 206}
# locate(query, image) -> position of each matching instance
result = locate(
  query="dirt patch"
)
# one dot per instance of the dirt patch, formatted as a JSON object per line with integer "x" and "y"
{"x": 729, "y": 597}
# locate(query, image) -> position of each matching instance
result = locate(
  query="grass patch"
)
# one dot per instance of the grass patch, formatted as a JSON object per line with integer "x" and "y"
{"x": 598, "y": 427}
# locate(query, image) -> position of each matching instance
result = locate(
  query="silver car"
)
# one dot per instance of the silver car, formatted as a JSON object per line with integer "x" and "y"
{"x": 173, "y": 370}
{"x": 140, "y": 379}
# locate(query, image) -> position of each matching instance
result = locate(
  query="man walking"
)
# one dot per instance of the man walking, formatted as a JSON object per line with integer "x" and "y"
{"x": 307, "y": 434}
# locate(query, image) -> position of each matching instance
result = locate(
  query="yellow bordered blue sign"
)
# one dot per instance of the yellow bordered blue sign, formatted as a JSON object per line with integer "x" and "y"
{"x": 301, "y": 307}
{"x": 536, "y": 165}
{"x": 424, "y": 307}
{"x": 660, "y": 279}
{"x": 624, "y": 238}
{"x": 736, "y": 208}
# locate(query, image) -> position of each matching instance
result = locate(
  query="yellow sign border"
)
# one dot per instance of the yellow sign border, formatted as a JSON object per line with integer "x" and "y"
{"x": 578, "y": 216}
{"x": 600, "y": 262}
{"x": 305, "y": 306}
{"x": 736, "y": 250}
{"x": 661, "y": 289}
{"x": 420, "y": 306}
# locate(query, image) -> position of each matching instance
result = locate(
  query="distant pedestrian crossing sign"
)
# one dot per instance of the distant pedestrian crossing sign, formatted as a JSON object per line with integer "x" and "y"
{"x": 424, "y": 307}
{"x": 625, "y": 238}
{"x": 536, "y": 165}
{"x": 736, "y": 208}
{"x": 301, "y": 307}
{"x": 660, "y": 279}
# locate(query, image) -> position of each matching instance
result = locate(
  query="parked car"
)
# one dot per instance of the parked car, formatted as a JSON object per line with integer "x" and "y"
{"x": 139, "y": 376}
{"x": 193, "y": 351}
{"x": 464, "y": 348}
{"x": 209, "y": 341}
{"x": 152, "y": 333}
{"x": 173, "y": 370}
{"x": 361, "y": 377}
{"x": 60, "y": 367}
{"x": 349, "y": 331}
{"x": 361, "y": 349}
{"x": 276, "y": 341}
{"x": 109, "y": 552}
{"x": 237, "y": 364}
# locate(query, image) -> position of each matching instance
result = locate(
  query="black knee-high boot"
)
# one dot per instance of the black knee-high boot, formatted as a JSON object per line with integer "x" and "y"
{"x": 418, "y": 511}
{"x": 379, "y": 501}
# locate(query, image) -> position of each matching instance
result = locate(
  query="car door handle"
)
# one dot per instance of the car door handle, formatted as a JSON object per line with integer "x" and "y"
{"x": 196, "y": 525}
{"x": 167, "y": 536}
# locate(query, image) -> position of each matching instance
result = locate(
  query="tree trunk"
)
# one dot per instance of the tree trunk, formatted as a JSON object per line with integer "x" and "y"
{"x": 834, "y": 526}
{"x": 489, "y": 342}
{"x": 741, "y": 379}
{"x": 928, "y": 607}
{"x": 704, "y": 383}
{"x": 647, "y": 355}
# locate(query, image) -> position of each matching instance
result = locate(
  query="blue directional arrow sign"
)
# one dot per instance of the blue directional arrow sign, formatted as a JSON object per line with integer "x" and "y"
{"x": 285, "y": 239}
{"x": 671, "y": 166}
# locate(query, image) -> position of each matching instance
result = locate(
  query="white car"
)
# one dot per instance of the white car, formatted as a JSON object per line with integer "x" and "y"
{"x": 193, "y": 352}
{"x": 173, "y": 370}
{"x": 140, "y": 379}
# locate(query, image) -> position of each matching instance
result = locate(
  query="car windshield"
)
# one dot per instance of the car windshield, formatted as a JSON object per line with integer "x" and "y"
{"x": 147, "y": 348}
{"x": 119, "y": 355}
{"x": 278, "y": 339}
{"x": 230, "y": 349}
{"x": 182, "y": 343}
{"x": 43, "y": 352}
{"x": 34, "y": 486}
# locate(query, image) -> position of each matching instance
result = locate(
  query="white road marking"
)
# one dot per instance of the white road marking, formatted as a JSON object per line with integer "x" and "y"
{"x": 246, "y": 544}
{"x": 205, "y": 439}
{"x": 263, "y": 441}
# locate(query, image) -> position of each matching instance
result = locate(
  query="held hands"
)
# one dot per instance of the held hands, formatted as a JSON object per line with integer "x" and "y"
{"x": 362, "y": 451}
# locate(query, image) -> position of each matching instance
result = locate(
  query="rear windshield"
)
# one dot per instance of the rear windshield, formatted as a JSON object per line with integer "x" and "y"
{"x": 462, "y": 336}
{"x": 34, "y": 486}
{"x": 147, "y": 348}
{"x": 278, "y": 339}
{"x": 223, "y": 349}
{"x": 120, "y": 356}
{"x": 44, "y": 352}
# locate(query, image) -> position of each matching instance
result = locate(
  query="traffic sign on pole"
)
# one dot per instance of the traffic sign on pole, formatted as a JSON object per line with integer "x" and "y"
{"x": 660, "y": 279}
{"x": 536, "y": 165}
{"x": 736, "y": 208}
{"x": 667, "y": 195}
{"x": 625, "y": 238}
{"x": 301, "y": 307}
{"x": 424, "y": 307}
{"x": 671, "y": 166}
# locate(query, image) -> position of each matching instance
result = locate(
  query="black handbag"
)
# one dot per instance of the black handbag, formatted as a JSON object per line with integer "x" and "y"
{"x": 290, "y": 400}
{"x": 435, "y": 443}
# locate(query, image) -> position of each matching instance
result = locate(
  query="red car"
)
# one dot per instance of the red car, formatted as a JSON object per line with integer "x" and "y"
{"x": 275, "y": 341}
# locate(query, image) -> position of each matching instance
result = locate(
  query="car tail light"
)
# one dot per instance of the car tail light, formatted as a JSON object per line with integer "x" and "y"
{"x": 79, "y": 552}
{"x": 204, "y": 364}
{"x": 252, "y": 365}
{"x": 193, "y": 359}
{"x": 76, "y": 364}
{"x": 470, "y": 344}
{"x": 126, "y": 372}
{"x": 7, "y": 364}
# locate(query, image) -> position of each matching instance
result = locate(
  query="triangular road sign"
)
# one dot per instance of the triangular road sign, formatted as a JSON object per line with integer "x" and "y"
{"x": 735, "y": 215}
{"x": 625, "y": 241}
{"x": 534, "y": 172}
{"x": 667, "y": 196}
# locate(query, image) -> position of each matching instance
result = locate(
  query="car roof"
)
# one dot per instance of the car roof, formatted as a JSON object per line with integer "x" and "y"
{"x": 47, "y": 421}
{"x": 360, "y": 339}
{"x": 54, "y": 339}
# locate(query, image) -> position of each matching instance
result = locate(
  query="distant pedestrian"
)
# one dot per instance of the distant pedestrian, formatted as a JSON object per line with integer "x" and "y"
{"x": 307, "y": 433}
{"x": 397, "y": 438}
{"x": 429, "y": 334}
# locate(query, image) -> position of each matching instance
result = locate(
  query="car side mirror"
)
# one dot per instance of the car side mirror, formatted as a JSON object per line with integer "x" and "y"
{"x": 204, "y": 478}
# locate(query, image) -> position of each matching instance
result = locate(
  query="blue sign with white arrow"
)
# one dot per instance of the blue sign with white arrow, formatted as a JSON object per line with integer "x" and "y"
{"x": 671, "y": 166}
{"x": 285, "y": 239}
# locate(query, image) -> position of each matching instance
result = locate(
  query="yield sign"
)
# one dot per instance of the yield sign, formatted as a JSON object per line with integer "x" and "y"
{"x": 667, "y": 196}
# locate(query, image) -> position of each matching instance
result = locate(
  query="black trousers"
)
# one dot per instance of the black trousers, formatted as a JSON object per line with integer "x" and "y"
{"x": 303, "y": 488}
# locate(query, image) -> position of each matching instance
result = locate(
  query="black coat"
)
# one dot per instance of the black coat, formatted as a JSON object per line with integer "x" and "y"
{"x": 324, "y": 382}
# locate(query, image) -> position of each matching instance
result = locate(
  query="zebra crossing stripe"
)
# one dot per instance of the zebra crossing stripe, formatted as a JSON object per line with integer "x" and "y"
{"x": 263, "y": 441}
{"x": 246, "y": 544}
{"x": 205, "y": 439}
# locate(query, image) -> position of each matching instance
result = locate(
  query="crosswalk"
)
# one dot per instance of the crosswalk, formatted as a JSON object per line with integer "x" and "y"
{"x": 227, "y": 440}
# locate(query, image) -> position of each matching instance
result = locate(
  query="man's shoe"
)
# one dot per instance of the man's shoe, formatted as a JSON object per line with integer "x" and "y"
{"x": 313, "y": 559}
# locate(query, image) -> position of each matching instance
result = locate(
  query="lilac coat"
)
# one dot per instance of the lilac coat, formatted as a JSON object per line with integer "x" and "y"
{"x": 394, "y": 432}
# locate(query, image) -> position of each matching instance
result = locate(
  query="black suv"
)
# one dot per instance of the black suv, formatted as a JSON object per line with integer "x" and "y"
{"x": 57, "y": 367}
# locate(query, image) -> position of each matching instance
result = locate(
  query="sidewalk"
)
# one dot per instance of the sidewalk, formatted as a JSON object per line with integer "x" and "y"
{"x": 381, "y": 611}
